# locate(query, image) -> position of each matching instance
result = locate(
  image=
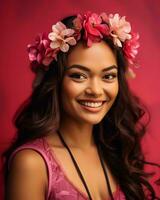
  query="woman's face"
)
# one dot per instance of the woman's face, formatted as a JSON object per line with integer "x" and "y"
{"x": 90, "y": 83}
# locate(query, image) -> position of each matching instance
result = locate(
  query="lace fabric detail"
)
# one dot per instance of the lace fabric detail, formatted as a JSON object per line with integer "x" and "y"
{"x": 59, "y": 186}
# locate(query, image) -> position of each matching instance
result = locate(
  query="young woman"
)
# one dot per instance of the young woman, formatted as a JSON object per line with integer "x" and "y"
{"x": 79, "y": 132}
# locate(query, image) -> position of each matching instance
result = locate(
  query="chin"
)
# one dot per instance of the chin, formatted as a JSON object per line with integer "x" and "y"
{"x": 92, "y": 120}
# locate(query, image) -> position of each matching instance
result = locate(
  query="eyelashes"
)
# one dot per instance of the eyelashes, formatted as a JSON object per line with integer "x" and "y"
{"x": 81, "y": 77}
{"x": 110, "y": 76}
{"x": 78, "y": 76}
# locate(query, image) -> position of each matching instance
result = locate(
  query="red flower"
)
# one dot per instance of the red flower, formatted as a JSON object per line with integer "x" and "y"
{"x": 94, "y": 29}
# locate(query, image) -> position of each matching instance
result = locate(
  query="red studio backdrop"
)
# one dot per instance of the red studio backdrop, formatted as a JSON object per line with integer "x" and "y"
{"x": 22, "y": 20}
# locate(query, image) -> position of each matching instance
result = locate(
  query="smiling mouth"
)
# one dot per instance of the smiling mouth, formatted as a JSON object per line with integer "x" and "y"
{"x": 92, "y": 104}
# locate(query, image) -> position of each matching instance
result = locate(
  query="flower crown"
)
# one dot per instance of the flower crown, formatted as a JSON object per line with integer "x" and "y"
{"x": 95, "y": 28}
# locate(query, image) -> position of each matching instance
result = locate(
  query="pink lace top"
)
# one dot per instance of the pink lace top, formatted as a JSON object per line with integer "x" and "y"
{"x": 59, "y": 185}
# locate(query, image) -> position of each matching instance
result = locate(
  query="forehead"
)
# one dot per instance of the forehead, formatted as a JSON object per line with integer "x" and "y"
{"x": 99, "y": 54}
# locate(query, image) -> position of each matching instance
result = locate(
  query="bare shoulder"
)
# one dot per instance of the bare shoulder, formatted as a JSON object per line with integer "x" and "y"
{"x": 27, "y": 169}
{"x": 27, "y": 159}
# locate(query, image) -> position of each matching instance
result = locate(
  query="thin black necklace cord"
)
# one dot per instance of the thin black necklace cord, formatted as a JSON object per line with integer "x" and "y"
{"x": 79, "y": 172}
{"x": 77, "y": 168}
{"x": 105, "y": 173}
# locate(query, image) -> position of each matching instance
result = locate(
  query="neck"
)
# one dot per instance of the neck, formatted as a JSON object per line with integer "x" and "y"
{"x": 77, "y": 135}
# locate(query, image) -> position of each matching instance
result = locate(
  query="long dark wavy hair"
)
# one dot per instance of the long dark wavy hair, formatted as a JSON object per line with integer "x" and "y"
{"x": 119, "y": 134}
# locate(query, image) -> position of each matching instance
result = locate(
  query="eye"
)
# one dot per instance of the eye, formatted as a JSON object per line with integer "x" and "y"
{"x": 78, "y": 76}
{"x": 110, "y": 77}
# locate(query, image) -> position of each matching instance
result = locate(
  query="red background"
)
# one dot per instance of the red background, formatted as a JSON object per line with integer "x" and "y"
{"x": 21, "y": 20}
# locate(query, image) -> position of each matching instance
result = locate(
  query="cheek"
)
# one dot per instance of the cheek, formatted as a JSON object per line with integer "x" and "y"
{"x": 115, "y": 89}
{"x": 67, "y": 93}
{"x": 112, "y": 90}
{"x": 70, "y": 91}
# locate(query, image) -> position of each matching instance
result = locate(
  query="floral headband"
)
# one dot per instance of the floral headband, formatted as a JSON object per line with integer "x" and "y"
{"x": 96, "y": 28}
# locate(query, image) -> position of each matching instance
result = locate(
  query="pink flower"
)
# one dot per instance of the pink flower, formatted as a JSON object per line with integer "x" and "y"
{"x": 93, "y": 27}
{"x": 104, "y": 17}
{"x": 40, "y": 52}
{"x": 61, "y": 37}
{"x": 77, "y": 22}
{"x": 50, "y": 55}
{"x": 130, "y": 47}
{"x": 119, "y": 29}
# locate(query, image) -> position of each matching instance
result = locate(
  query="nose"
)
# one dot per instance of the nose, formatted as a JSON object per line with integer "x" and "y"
{"x": 94, "y": 88}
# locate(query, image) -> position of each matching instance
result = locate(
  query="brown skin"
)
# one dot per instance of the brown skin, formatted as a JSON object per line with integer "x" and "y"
{"x": 27, "y": 177}
{"x": 77, "y": 121}
{"x": 93, "y": 85}
{"x": 28, "y": 171}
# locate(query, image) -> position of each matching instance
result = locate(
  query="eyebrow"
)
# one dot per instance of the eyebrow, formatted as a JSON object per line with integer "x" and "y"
{"x": 88, "y": 70}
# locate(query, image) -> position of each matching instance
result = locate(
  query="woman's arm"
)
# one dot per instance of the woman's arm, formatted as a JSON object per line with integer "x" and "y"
{"x": 27, "y": 178}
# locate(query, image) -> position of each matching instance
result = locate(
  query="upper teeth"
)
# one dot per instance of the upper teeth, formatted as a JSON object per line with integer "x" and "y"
{"x": 91, "y": 104}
